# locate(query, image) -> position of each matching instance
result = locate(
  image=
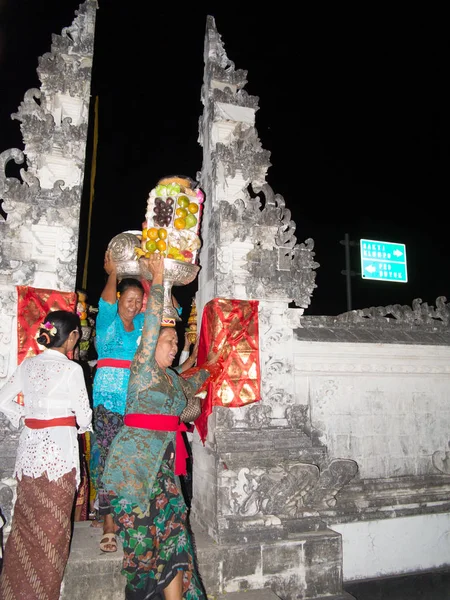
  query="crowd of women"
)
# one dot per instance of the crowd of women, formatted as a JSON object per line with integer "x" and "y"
{"x": 140, "y": 409}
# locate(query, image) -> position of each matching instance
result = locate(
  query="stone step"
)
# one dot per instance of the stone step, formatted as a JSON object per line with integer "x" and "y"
{"x": 264, "y": 594}
{"x": 93, "y": 574}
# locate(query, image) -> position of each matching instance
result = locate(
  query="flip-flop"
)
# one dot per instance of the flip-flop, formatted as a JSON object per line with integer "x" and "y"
{"x": 108, "y": 539}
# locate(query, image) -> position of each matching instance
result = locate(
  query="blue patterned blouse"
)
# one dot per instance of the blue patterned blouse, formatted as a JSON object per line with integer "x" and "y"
{"x": 135, "y": 454}
{"x": 113, "y": 341}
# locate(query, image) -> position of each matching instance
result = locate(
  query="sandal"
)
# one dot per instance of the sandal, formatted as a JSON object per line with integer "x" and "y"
{"x": 108, "y": 543}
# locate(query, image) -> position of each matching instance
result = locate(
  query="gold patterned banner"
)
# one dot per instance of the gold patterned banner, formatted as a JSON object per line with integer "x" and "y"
{"x": 231, "y": 329}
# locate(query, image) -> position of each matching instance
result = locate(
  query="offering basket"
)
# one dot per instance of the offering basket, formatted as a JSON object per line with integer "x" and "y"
{"x": 176, "y": 272}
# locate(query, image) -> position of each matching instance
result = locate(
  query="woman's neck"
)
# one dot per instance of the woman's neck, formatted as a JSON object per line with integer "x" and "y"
{"x": 128, "y": 324}
{"x": 61, "y": 350}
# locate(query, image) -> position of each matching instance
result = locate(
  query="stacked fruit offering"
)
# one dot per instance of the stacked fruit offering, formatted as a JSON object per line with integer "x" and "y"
{"x": 173, "y": 220}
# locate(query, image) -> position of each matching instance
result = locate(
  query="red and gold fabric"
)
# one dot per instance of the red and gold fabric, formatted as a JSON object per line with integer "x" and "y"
{"x": 33, "y": 304}
{"x": 229, "y": 328}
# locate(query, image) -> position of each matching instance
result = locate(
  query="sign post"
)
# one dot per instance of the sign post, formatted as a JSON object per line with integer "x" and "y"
{"x": 383, "y": 261}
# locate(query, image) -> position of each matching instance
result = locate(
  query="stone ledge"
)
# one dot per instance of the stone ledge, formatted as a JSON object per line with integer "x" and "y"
{"x": 94, "y": 574}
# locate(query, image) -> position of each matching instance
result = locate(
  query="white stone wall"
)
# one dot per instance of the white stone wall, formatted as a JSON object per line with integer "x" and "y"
{"x": 386, "y": 406}
{"x": 395, "y": 546}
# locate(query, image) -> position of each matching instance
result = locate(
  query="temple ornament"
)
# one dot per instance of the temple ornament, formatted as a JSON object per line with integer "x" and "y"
{"x": 420, "y": 313}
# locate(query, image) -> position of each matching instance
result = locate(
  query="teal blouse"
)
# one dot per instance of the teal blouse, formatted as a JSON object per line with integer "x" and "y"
{"x": 135, "y": 454}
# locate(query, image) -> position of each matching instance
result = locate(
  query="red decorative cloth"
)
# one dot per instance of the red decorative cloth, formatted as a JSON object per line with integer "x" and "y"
{"x": 33, "y": 304}
{"x": 229, "y": 328}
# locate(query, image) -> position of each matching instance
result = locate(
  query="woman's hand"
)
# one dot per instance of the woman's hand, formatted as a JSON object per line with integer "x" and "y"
{"x": 195, "y": 349}
{"x": 110, "y": 290}
{"x": 108, "y": 263}
{"x": 187, "y": 343}
{"x": 212, "y": 357}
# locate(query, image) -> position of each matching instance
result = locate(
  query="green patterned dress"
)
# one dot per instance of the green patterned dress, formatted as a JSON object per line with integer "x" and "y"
{"x": 149, "y": 510}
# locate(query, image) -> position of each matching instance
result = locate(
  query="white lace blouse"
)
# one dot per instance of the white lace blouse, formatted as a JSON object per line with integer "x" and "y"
{"x": 52, "y": 386}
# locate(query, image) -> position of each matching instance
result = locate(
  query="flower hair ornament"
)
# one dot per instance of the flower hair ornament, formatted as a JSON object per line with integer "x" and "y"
{"x": 118, "y": 295}
{"x": 50, "y": 327}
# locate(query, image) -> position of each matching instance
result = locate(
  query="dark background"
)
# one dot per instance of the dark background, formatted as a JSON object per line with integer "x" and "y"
{"x": 353, "y": 107}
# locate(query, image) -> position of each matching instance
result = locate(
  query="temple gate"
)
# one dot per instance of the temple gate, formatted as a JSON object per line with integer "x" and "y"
{"x": 344, "y": 460}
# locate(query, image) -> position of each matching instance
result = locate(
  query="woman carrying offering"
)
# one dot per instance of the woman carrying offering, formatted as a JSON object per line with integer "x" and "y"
{"x": 144, "y": 460}
{"x": 47, "y": 466}
{"x": 118, "y": 329}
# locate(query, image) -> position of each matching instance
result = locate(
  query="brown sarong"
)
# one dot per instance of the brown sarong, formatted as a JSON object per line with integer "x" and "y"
{"x": 37, "y": 548}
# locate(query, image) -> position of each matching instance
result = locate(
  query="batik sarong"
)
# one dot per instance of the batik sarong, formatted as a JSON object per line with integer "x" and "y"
{"x": 106, "y": 426}
{"x": 157, "y": 544}
{"x": 37, "y": 548}
{"x": 82, "y": 496}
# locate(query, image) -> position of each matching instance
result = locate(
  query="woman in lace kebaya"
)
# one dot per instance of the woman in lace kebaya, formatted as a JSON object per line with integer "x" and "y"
{"x": 47, "y": 466}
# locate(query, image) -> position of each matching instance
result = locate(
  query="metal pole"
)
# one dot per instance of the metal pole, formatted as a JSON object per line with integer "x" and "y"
{"x": 348, "y": 272}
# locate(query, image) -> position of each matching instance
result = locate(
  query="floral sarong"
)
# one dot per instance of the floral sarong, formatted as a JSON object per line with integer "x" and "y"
{"x": 157, "y": 544}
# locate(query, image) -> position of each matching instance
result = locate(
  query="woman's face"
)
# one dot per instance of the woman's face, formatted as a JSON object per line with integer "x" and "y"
{"x": 130, "y": 303}
{"x": 167, "y": 347}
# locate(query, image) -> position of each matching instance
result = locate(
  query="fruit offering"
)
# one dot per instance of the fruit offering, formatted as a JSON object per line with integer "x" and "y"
{"x": 172, "y": 222}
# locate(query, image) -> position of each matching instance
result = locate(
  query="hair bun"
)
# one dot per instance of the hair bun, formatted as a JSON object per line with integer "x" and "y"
{"x": 44, "y": 339}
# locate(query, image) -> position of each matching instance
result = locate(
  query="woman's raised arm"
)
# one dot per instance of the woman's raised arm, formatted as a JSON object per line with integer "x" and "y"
{"x": 153, "y": 312}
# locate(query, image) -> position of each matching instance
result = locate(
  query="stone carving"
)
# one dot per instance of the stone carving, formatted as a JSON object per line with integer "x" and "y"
{"x": 441, "y": 461}
{"x": 8, "y": 487}
{"x": 39, "y": 211}
{"x": 420, "y": 313}
{"x": 297, "y": 416}
{"x": 224, "y": 418}
{"x": 276, "y": 264}
{"x": 245, "y": 155}
{"x": 258, "y": 416}
{"x": 290, "y": 488}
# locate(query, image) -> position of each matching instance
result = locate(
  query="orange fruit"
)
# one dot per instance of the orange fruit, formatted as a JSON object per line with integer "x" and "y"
{"x": 179, "y": 223}
{"x": 161, "y": 245}
{"x": 181, "y": 212}
{"x": 150, "y": 246}
{"x": 152, "y": 233}
{"x": 144, "y": 233}
{"x": 193, "y": 208}
{"x": 162, "y": 233}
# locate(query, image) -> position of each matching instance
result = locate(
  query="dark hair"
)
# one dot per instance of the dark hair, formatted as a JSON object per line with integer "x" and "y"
{"x": 129, "y": 282}
{"x": 164, "y": 328}
{"x": 60, "y": 323}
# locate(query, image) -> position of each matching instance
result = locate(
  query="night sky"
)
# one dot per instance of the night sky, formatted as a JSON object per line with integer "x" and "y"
{"x": 353, "y": 107}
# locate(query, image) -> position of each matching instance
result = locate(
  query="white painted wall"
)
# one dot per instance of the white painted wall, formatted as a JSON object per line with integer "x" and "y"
{"x": 394, "y": 546}
{"x": 386, "y": 406}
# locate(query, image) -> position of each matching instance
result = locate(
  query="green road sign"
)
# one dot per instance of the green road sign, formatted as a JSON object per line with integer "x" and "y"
{"x": 383, "y": 261}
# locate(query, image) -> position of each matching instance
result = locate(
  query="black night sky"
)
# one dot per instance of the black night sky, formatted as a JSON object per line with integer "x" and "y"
{"x": 353, "y": 108}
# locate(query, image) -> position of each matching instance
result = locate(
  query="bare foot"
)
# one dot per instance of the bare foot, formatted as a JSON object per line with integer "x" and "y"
{"x": 108, "y": 524}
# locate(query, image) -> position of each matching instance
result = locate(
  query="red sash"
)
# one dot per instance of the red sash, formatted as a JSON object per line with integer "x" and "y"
{"x": 164, "y": 423}
{"x": 113, "y": 362}
{"x": 57, "y": 422}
